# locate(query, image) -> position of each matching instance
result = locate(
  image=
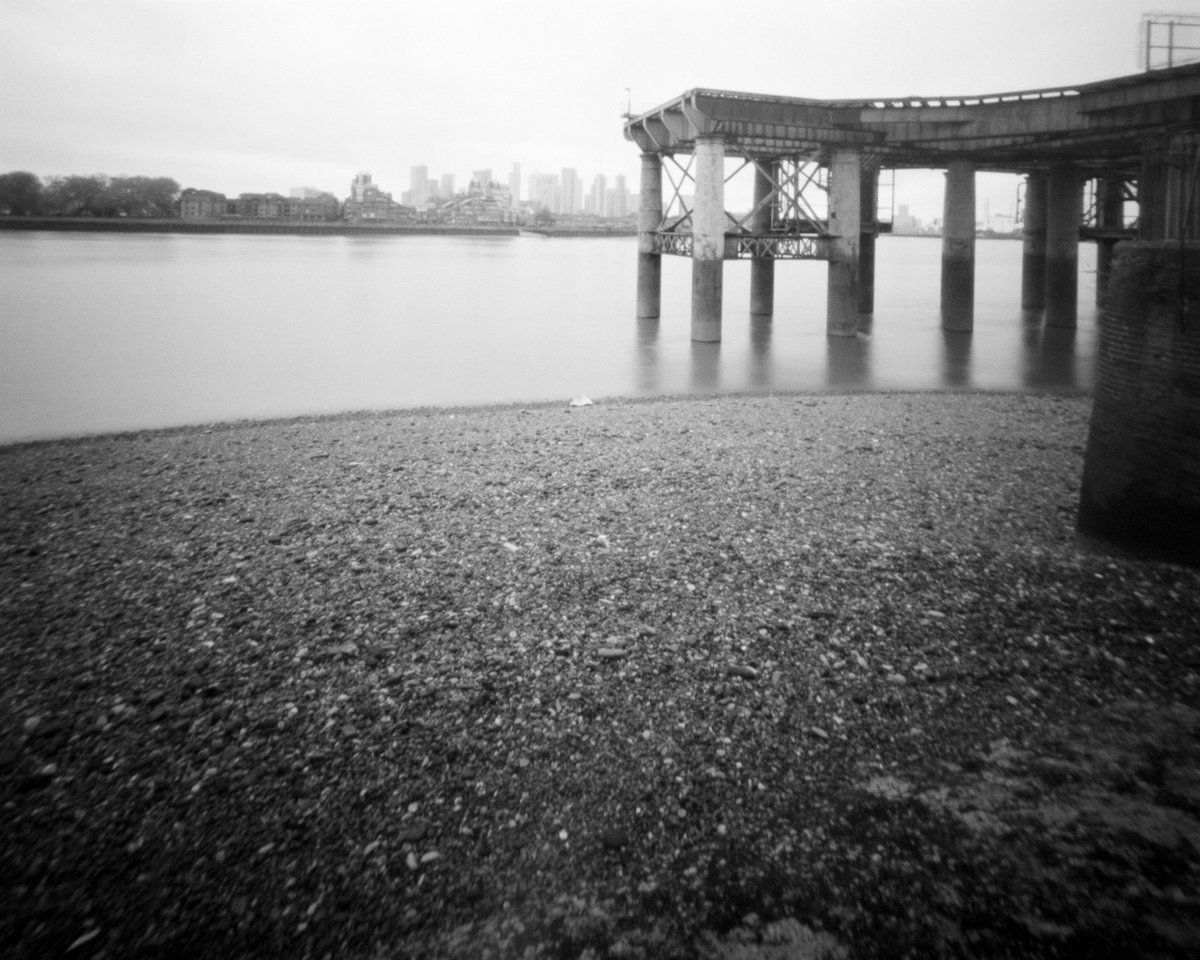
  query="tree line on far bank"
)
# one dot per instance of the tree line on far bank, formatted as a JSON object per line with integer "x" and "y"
{"x": 24, "y": 194}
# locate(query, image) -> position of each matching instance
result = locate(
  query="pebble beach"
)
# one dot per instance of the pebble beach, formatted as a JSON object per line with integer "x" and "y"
{"x": 752, "y": 676}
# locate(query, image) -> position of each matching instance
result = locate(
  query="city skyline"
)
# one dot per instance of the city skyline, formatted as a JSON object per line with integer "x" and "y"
{"x": 251, "y": 97}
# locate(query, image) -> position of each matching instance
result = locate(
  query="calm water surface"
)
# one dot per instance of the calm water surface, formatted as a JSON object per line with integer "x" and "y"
{"x": 101, "y": 332}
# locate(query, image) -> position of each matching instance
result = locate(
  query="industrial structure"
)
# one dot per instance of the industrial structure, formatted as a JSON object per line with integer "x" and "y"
{"x": 816, "y": 166}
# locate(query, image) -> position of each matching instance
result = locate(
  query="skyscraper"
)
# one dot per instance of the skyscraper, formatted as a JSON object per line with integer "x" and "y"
{"x": 569, "y": 189}
{"x": 514, "y": 185}
{"x": 544, "y": 190}
{"x": 418, "y": 183}
{"x": 620, "y": 197}
{"x": 599, "y": 196}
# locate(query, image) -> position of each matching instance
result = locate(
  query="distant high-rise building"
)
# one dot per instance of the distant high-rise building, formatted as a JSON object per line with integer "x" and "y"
{"x": 544, "y": 190}
{"x": 361, "y": 186}
{"x": 482, "y": 177}
{"x": 569, "y": 188}
{"x": 447, "y": 185}
{"x": 905, "y": 222}
{"x": 514, "y": 185}
{"x": 620, "y": 197}
{"x": 598, "y": 197}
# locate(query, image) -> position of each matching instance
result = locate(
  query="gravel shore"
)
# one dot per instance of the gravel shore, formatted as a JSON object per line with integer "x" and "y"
{"x": 773, "y": 676}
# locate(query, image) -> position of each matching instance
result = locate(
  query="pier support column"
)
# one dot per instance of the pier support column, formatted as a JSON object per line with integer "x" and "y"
{"x": 708, "y": 239}
{"x": 649, "y": 270}
{"x": 1033, "y": 254}
{"x": 762, "y": 268}
{"x": 958, "y": 247}
{"x": 1064, "y": 211}
{"x": 845, "y": 227}
{"x": 1110, "y": 212}
{"x": 1152, "y": 195}
{"x": 869, "y": 204}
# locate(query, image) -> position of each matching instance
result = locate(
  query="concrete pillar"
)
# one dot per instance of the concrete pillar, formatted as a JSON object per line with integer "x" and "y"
{"x": 1152, "y": 196}
{"x": 708, "y": 239}
{"x": 1110, "y": 213}
{"x": 1064, "y": 211}
{"x": 762, "y": 268}
{"x": 1033, "y": 256}
{"x": 869, "y": 203}
{"x": 845, "y": 227}
{"x": 649, "y": 272}
{"x": 958, "y": 247}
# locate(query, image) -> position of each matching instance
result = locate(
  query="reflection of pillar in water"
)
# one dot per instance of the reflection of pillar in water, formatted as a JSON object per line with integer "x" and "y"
{"x": 1053, "y": 367}
{"x": 956, "y": 358}
{"x": 760, "y": 351}
{"x": 706, "y": 367}
{"x": 847, "y": 362}
{"x": 646, "y": 372}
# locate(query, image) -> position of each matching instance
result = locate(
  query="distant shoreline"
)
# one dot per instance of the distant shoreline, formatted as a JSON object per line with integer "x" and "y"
{"x": 264, "y": 226}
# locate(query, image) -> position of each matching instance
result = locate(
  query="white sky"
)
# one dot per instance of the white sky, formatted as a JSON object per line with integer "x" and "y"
{"x": 258, "y": 95}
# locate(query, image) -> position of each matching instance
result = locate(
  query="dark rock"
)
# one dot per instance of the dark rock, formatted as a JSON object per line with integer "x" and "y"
{"x": 614, "y": 838}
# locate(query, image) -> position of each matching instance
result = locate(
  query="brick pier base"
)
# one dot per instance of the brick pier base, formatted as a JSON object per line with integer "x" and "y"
{"x": 1141, "y": 474}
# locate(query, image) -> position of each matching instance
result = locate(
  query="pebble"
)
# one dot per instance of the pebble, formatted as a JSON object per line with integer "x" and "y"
{"x": 737, "y": 670}
{"x": 818, "y": 732}
{"x": 613, "y": 838}
{"x": 611, "y": 653}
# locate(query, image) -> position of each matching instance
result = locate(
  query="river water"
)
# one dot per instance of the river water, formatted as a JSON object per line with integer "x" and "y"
{"x": 102, "y": 332}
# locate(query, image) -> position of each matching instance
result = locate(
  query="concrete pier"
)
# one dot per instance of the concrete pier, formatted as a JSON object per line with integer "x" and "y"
{"x": 845, "y": 228}
{"x": 1110, "y": 213}
{"x": 708, "y": 239}
{"x": 1033, "y": 254}
{"x": 868, "y": 202}
{"x": 958, "y": 247}
{"x": 1064, "y": 211}
{"x": 1152, "y": 195}
{"x": 649, "y": 269}
{"x": 762, "y": 268}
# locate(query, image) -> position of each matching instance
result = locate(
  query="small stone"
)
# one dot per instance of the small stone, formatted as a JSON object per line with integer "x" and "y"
{"x": 611, "y": 653}
{"x": 613, "y": 838}
{"x": 430, "y": 856}
{"x": 818, "y": 732}
{"x": 35, "y": 781}
{"x": 737, "y": 670}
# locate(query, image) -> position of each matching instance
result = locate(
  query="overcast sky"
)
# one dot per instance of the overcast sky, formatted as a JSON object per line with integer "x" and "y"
{"x": 262, "y": 95}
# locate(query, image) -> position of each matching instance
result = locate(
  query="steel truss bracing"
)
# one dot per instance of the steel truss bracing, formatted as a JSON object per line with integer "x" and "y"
{"x": 796, "y": 204}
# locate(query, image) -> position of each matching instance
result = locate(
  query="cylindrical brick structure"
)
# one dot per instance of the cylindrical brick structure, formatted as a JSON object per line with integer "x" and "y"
{"x": 1033, "y": 253}
{"x": 1064, "y": 211}
{"x": 958, "y": 247}
{"x": 649, "y": 272}
{"x": 762, "y": 268}
{"x": 1110, "y": 205}
{"x": 708, "y": 239}
{"x": 1141, "y": 474}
